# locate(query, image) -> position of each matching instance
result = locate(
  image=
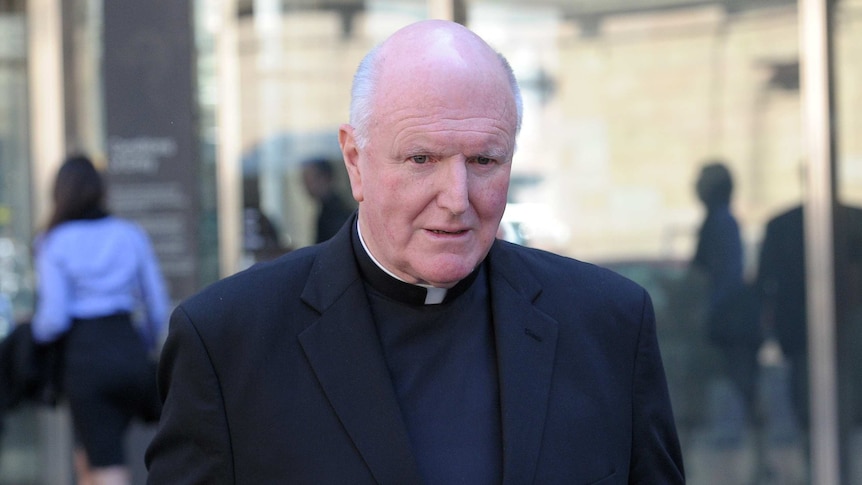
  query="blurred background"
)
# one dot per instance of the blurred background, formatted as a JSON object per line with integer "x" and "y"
{"x": 203, "y": 112}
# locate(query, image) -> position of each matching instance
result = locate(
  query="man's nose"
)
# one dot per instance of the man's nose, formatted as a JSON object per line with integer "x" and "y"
{"x": 453, "y": 186}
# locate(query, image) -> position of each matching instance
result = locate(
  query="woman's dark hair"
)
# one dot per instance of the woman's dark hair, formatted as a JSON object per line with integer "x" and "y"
{"x": 79, "y": 192}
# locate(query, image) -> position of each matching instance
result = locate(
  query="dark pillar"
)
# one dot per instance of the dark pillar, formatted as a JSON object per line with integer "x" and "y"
{"x": 151, "y": 129}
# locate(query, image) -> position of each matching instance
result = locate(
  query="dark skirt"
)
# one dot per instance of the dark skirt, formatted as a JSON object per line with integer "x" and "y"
{"x": 109, "y": 379}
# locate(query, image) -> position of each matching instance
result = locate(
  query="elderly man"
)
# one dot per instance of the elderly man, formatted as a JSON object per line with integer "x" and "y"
{"x": 413, "y": 347}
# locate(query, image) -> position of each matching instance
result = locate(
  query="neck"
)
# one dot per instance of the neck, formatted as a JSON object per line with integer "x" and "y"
{"x": 433, "y": 295}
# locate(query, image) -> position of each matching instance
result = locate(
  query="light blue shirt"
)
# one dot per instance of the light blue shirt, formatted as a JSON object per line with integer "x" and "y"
{"x": 95, "y": 268}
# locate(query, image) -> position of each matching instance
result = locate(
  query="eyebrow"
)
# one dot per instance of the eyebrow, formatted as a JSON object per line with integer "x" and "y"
{"x": 494, "y": 153}
{"x": 490, "y": 152}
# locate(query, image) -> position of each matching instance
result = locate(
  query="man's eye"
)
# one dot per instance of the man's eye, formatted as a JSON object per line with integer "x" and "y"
{"x": 419, "y": 158}
{"x": 484, "y": 160}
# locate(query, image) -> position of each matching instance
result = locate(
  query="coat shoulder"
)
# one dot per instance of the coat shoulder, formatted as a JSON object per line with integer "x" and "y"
{"x": 256, "y": 284}
{"x": 558, "y": 273}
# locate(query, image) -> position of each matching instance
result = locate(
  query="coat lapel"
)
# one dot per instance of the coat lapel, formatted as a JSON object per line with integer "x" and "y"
{"x": 526, "y": 341}
{"x": 344, "y": 351}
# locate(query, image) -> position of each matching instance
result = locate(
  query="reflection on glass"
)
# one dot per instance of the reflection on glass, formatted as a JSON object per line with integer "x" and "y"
{"x": 623, "y": 104}
{"x": 296, "y": 67}
{"x": 19, "y": 443}
{"x": 15, "y": 274}
{"x": 847, "y": 39}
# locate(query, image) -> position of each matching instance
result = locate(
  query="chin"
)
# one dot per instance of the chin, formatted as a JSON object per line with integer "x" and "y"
{"x": 447, "y": 273}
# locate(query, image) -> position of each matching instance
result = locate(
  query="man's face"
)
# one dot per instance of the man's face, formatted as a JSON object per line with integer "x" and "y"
{"x": 433, "y": 178}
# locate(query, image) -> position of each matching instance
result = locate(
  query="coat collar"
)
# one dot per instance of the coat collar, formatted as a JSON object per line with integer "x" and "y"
{"x": 345, "y": 353}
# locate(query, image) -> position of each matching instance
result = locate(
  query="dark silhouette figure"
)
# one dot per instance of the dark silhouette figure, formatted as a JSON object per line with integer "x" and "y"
{"x": 732, "y": 320}
{"x": 318, "y": 176}
{"x": 781, "y": 282}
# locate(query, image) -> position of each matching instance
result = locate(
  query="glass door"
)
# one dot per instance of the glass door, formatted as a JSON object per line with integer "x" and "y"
{"x": 644, "y": 123}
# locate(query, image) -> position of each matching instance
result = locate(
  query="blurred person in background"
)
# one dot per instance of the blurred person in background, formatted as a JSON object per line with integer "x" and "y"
{"x": 732, "y": 318}
{"x": 318, "y": 176}
{"x": 94, "y": 272}
{"x": 781, "y": 282}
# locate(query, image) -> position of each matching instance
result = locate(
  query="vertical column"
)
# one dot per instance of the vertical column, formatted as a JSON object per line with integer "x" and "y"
{"x": 151, "y": 129}
{"x": 440, "y": 9}
{"x": 45, "y": 77}
{"x": 228, "y": 157}
{"x": 268, "y": 81}
{"x": 454, "y": 10}
{"x": 47, "y": 147}
{"x": 816, "y": 85}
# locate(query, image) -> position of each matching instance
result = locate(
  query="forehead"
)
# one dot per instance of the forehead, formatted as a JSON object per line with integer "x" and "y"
{"x": 438, "y": 82}
{"x": 443, "y": 131}
{"x": 427, "y": 123}
{"x": 447, "y": 98}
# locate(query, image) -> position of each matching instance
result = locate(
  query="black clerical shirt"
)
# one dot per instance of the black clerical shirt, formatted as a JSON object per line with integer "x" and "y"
{"x": 442, "y": 361}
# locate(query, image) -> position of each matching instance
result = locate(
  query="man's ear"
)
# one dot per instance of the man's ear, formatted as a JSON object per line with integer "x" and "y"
{"x": 350, "y": 153}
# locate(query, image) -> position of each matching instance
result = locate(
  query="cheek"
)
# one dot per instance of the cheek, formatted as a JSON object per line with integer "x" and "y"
{"x": 403, "y": 195}
{"x": 491, "y": 200}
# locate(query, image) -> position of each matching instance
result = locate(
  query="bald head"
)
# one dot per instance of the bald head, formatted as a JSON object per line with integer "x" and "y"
{"x": 436, "y": 42}
{"x": 439, "y": 58}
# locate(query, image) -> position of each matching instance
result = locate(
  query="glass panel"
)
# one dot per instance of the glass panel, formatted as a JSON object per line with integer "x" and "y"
{"x": 18, "y": 428}
{"x": 626, "y": 103}
{"x": 847, "y": 38}
{"x": 16, "y": 285}
{"x": 205, "y": 29}
{"x": 296, "y": 67}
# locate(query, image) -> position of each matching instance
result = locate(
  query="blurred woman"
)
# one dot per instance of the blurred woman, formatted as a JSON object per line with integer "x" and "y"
{"x": 95, "y": 272}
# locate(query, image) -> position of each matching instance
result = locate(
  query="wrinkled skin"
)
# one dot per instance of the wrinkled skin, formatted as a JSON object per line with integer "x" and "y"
{"x": 431, "y": 181}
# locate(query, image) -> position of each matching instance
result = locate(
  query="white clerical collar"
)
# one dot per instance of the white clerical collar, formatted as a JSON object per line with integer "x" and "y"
{"x": 433, "y": 296}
